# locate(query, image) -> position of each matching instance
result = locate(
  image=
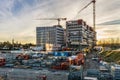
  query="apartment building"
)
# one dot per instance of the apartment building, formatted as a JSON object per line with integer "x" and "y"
{"x": 79, "y": 33}
{"x": 53, "y": 35}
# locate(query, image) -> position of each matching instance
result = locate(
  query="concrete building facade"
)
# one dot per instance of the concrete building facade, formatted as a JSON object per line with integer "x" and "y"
{"x": 80, "y": 34}
{"x": 53, "y": 35}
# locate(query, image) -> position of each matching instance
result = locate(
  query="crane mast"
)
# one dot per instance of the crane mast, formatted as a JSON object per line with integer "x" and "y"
{"x": 94, "y": 17}
{"x": 94, "y": 14}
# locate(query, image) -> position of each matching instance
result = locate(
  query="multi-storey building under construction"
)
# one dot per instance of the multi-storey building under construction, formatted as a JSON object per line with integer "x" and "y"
{"x": 51, "y": 35}
{"x": 79, "y": 34}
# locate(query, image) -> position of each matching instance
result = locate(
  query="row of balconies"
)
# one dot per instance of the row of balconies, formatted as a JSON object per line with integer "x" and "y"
{"x": 82, "y": 39}
{"x": 83, "y": 33}
{"x": 83, "y": 36}
{"x": 85, "y": 27}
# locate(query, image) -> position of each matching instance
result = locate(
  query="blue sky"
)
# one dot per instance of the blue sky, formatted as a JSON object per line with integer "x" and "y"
{"x": 17, "y": 17}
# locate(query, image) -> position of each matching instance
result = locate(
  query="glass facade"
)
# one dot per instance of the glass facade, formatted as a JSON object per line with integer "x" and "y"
{"x": 52, "y": 35}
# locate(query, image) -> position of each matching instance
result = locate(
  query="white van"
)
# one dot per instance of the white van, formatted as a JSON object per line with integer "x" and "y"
{"x": 90, "y": 78}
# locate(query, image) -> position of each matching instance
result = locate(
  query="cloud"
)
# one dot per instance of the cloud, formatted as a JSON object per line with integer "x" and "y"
{"x": 113, "y": 22}
{"x": 112, "y": 33}
{"x": 108, "y": 31}
{"x": 17, "y": 16}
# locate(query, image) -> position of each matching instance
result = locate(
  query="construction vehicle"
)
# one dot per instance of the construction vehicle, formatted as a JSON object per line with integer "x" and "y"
{"x": 73, "y": 60}
{"x": 23, "y": 56}
{"x": 2, "y": 61}
{"x": 58, "y": 19}
{"x": 86, "y": 50}
{"x": 77, "y": 60}
{"x": 61, "y": 66}
{"x": 42, "y": 77}
{"x": 67, "y": 49}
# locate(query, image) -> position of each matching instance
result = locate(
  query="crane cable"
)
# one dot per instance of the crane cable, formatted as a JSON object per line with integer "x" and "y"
{"x": 83, "y": 9}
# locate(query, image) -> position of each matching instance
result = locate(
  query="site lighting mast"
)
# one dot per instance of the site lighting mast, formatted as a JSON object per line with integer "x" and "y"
{"x": 58, "y": 19}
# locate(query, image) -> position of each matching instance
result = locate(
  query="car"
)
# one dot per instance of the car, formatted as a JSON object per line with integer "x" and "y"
{"x": 90, "y": 78}
{"x": 93, "y": 73}
{"x": 106, "y": 76}
{"x": 37, "y": 68}
{"x": 94, "y": 58}
{"x": 9, "y": 65}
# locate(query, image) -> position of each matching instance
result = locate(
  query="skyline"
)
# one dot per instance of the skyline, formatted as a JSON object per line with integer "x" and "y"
{"x": 17, "y": 17}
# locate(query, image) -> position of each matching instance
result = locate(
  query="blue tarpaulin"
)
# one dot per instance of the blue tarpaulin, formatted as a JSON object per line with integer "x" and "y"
{"x": 61, "y": 53}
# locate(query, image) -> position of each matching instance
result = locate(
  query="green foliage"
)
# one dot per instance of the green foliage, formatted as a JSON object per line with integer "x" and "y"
{"x": 113, "y": 43}
{"x": 111, "y": 56}
{"x": 12, "y": 46}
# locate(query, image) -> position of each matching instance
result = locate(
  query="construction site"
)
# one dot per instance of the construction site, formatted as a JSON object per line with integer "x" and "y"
{"x": 62, "y": 54}
{"x": 64, "y": 57}
{"x": 39, "y": 66}
{"x": 76, "y": 33}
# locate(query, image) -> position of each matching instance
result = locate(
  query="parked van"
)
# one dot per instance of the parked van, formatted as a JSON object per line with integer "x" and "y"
{"x": 90, "y": 78}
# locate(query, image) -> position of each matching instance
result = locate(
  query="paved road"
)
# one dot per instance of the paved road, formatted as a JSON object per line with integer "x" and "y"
{"x": 90, "y": 64}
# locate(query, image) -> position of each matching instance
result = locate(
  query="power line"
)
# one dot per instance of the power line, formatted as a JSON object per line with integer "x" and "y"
{"x": 82, "y": 2}
{"x": 84, "y": 8}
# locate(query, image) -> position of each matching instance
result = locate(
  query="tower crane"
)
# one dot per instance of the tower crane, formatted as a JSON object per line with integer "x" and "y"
{"x": 58, "y": 19}
{"x": 94, "y": 14}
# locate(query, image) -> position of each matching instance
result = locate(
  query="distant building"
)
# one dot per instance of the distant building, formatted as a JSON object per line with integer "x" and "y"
{"x": 79, "y": 34}
{"x": 53, "y": 35}
{"x": 65, "y": 38}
